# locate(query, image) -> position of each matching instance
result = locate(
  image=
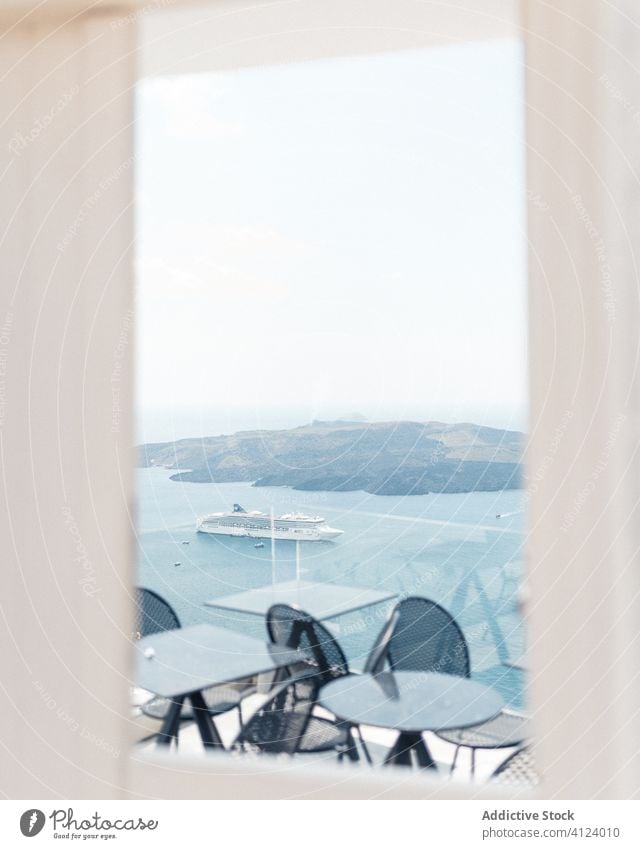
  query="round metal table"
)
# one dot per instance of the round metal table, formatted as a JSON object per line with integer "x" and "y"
{"x": 411, "y": 702}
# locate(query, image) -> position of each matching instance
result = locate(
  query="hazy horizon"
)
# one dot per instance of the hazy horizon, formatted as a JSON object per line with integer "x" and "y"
{"x": 172, "y": 425}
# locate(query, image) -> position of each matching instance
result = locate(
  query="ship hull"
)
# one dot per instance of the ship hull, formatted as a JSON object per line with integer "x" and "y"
{"x": 292, "y": 534}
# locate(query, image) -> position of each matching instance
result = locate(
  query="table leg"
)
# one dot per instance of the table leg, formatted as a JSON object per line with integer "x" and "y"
{"x": 399, "y": 754}
{"x": 208, "y": 732}
{"x": 406, "y": 744}
{"x": 171, "y": 722}
{"x": 365, "y": 749}
{"x": 422, "y": 754}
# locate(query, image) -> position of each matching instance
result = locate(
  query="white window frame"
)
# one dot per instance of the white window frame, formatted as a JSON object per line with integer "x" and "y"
{"x": 66, "y": 425}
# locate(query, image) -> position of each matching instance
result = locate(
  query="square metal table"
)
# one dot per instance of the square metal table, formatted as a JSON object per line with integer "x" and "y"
{"x": 519, "y": 662}
{"x": 322, "y": 601}
{"x": 181, "y": 663}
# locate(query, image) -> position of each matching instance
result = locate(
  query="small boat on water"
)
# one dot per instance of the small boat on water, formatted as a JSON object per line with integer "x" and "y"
{"x": 259, "y": 545}
{"x": 291, "y": 526}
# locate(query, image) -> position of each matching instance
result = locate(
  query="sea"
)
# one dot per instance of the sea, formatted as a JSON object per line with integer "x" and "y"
{"x": 464, "y": 551}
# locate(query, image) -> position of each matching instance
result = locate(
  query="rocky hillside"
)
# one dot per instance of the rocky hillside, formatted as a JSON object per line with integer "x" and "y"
{"x": 387, "y": 458}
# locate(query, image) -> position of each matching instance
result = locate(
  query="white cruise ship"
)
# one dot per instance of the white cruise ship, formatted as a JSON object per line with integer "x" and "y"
{"x": 292, "y": 526}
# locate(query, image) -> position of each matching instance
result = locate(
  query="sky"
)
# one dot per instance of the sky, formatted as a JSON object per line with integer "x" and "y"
{"x": 335, "y": 237}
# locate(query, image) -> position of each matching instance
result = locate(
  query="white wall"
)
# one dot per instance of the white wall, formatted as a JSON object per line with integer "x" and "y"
{"x": 185, "y": 38}
{"x": 65, "y": 430}
{"x": 583, "y": 163}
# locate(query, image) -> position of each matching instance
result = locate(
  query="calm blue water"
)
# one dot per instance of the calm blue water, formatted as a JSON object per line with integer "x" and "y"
{"x": 450, "y": 548}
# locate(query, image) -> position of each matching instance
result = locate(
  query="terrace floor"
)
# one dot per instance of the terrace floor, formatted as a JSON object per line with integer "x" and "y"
{"x": 378, "y": 741}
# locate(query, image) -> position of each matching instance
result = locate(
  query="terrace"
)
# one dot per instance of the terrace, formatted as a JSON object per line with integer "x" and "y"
{"x": 417, "y": 676}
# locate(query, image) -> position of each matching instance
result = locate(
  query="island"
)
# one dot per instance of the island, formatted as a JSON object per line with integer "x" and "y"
{"x": 384, "y": 458}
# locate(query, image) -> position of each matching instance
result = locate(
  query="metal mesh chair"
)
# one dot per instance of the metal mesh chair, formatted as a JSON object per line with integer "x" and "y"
{"x": 378, "y": 654}
{"x": 323, "y": 735}
{"x": 278, "y": 727}
{"x": 427, "y": 638}
{"x": 217, "y": 699}
{"x": 285, "y": 725}
{"x": 289, "y": 626}
{"x": 505, "y": 730}
{"x": 153, "y": 615}
{"x": 518, "y": 771}
{"x": 508, "y": 725}
{"x": 292, "y": 627}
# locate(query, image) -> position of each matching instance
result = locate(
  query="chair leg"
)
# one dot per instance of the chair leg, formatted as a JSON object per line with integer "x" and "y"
{"x": 454, "y": 761}
{"x": 364, "y": 745}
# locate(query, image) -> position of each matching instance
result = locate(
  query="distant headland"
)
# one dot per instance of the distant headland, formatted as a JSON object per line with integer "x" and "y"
{"x": 384, "y": 458}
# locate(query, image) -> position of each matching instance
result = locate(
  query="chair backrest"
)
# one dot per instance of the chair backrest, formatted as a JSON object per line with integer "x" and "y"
{"x": 518, "y": 770}
{"x": 153, "y": 614}
{"x": 378, "y": 654}
{"x": 279, "y": 726}
{"x": 289, "y": 626}
{"x": 427, "y": 638}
